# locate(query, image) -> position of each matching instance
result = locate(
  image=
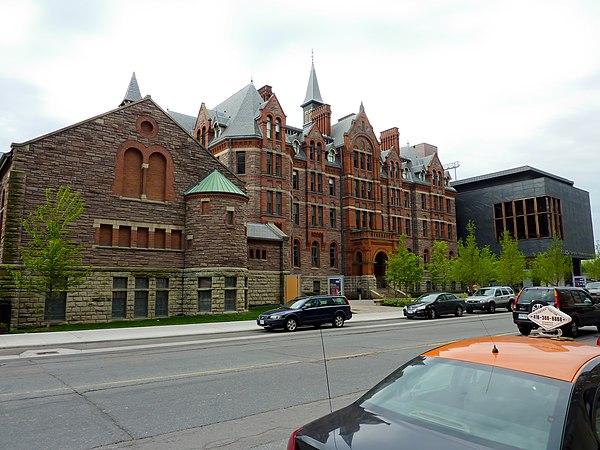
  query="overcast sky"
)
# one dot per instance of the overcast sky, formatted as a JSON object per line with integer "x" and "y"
{"x": 493, "y": 84}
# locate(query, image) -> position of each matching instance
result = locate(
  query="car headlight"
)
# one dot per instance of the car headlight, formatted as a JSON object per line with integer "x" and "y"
{"x": 276, "y": 316}
{"x": 420, "y": 308}
{"x": 484, "y": 300}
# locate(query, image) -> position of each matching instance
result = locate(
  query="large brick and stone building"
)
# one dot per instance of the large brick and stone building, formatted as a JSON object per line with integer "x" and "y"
{"x": 188, "y": 215}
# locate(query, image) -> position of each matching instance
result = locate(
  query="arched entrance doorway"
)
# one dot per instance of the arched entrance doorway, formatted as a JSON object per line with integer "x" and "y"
{"x": 379, "y": 269}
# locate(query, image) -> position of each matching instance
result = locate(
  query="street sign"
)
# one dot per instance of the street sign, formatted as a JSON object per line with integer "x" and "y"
{"x": 549, "y": 318}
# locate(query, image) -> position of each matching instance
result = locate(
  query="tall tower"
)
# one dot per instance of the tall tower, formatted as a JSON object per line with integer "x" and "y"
{"x": 313, "y": 107}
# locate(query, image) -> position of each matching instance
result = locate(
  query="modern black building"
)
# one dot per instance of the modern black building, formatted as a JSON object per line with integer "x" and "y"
{"x": 533, "y": 205}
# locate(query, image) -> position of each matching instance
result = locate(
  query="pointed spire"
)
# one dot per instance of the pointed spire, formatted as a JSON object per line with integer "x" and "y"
{"x": 133, "y": 92}
{"x": 313, "y": 95}
{"x": 362, "y": 108}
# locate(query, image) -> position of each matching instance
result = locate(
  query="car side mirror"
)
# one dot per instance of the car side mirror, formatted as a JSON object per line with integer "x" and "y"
{"x": 588, "y": 302}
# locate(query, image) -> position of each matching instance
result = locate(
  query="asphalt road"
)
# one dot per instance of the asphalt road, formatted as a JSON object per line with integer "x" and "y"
{"x": 236, "y": 391}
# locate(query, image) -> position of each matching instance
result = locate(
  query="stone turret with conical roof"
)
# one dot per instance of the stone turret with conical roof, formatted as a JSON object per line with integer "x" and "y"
{"x": 133, "y": 93}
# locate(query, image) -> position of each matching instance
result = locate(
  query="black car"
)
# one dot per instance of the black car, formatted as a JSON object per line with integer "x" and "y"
{"x": 313, "y": 310}
{"x": 435, "y": 305}
{"x": 501, "y": 392}
{"x": 574, "y": 301}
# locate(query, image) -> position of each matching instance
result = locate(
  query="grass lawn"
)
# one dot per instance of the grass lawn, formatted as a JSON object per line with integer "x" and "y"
{"x": 252, "y": 314}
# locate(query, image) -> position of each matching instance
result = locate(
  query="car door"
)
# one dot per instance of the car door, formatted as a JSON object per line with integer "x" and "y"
{"x": 310, "y": 311}
{"x": 443, "y": 305}
{"x": 588, "y": 312}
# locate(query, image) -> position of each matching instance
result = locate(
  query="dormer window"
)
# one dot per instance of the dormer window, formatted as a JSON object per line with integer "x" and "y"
{"x": 331, "y": 155}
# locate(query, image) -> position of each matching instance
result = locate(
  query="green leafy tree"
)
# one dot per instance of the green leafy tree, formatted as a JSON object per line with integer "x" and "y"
{"x": 591, "y": 267}
{"x": 511, "y": 266}
{"x": 552, "y": 266}
{"x": 404, "y": 268}
{"x": 473, "y": 265}
{"x": 52, "y": 262}
{"x": 440, "y": 266}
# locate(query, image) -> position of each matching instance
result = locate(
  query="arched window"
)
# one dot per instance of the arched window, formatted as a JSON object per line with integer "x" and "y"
{"x": 132, "y": 167}
{"x": 315, "y": 254}
{"x": 296, "y": 253}
{"x": 251, "y": 254}
{"x": 269, "y": 126}
{"x": 425, "y": 256}
{"x": 333, "y": 255}
{"x": 397, "y": 170}
{"x": 312, "y": 150}
{"x": 156, "y": 177}
{"x": 319, "y": 151}
{"x": 264, "y": 254}
{"x": 278, "y": 129}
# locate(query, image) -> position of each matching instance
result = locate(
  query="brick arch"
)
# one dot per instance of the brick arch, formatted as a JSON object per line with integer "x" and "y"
{"x": 156, "y": 161}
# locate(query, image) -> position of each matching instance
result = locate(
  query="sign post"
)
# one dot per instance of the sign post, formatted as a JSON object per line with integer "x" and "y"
{"x": 549, "y": 319}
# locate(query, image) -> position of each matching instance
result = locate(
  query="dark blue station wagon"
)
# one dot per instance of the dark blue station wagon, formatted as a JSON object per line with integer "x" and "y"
{"x": 313, "y": 310}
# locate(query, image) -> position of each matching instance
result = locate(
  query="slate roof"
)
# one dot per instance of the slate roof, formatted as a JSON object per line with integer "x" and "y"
{"x": 238, "y": 113}
{"x": 313, "y": 94}
{"x": 339, "y": 129}
{"x": 187, "y": 122}
{"x": 264, "y": 231}
{"x": 215, "y": 183}
{"x": 133, "y": 93}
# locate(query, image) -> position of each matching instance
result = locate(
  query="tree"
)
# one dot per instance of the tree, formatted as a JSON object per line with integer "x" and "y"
{"x": 52, "y": 263}
{"x": 510, "y": 269}
{"x": 440, "y": 266}
{"x": 591, "y": 267}
{"x": 551, "y": 266}
{"x": 403, "y": 267}
{"x": 472, "y": 265}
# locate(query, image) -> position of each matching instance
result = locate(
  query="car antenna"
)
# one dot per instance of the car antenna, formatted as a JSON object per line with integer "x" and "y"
{"x": 494, "y": 349}
{"x": 326, "y": 373}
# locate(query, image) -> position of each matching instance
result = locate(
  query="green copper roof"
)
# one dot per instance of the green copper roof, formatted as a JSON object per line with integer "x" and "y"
{"x": 215, "y": 183}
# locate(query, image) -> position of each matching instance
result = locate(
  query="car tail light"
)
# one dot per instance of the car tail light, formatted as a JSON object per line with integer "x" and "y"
{"x": 292, "y": 442}
{"x": 598, "y": 341}
{"x": 556, "y": 302}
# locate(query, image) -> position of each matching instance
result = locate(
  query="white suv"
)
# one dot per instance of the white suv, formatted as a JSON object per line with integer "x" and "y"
{"x": 490, "y": 298}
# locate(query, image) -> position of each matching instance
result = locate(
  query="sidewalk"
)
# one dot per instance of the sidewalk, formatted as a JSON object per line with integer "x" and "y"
{"x": 363, "y": 310}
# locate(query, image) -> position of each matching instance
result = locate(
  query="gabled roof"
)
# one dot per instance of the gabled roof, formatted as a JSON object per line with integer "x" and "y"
{"x": 238, "y": 113}
{"x": 133, "y": 93}
{"x": 215, "y": 183}
{"x": 339, "y": 129}
{"x": 313, "y": 94}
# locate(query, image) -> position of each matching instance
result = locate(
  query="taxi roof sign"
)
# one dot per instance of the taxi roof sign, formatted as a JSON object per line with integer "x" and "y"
{"x": 549, "y": 318}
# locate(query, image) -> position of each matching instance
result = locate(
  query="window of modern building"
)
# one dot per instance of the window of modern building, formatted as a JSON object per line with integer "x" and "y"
{"x": 333, "y": 255}
{"x": 315, "y": 254}
{"x": 162, "y": 297}
{"x": 140, "y": 302}
{"x": 240, "y": 165}
{"x": 230, "y": 293}
{"x": 204, "y": 294}
{"x": 530, "y": 218}
{"x": 119, "y": 298}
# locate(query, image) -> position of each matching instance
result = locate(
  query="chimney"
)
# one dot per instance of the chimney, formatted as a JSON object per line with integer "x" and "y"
{"x": 266, "y": 92}
{"x": 390, "y": 139}
{"x": 321, "y": 116}
{"x": 424, "y": 149}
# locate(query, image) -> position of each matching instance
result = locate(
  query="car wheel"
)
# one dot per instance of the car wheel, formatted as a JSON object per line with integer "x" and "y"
{"x": 511, "y": 306}
{"x": 291, "y": 324}
{"x": 524, "y": 330}
{"x": 470, "y": 310}
{"x": 492, "y": 308}
{"x": 338, "y": 321}
{"x": 432, "y": 313}
{"x": 459, "y": 311}
{"x": 571, "y": 329}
